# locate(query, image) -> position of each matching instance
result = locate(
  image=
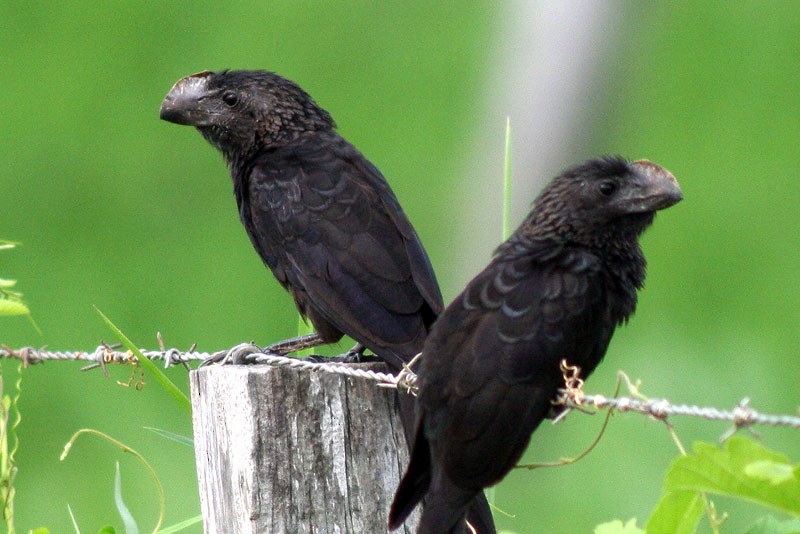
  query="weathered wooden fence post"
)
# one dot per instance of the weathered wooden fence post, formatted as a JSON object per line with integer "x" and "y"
{"x": 284, "y": 450}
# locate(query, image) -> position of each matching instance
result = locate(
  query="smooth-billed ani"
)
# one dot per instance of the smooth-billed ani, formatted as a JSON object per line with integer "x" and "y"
{"x": 320, "y": 215}
{"x": 556, "y": 289}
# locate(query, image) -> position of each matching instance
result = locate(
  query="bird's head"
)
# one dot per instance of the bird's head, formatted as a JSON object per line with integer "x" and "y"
{"x": 239, "y": 110}
{"x": 602, "y": 200}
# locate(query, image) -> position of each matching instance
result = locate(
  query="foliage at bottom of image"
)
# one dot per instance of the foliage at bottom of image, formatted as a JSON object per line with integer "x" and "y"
{"x": 10, "y": 419}
{"x": 740, "y": 469}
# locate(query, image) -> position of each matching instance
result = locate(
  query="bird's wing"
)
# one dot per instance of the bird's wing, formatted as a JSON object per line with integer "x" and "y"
{"x": 421, "y": 268}
{"x": 496, "y": 371}
{"x": 348, "y": 249}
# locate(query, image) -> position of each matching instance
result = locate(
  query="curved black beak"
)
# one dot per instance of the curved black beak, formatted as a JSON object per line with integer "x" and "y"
{"x": 184, "y": 102}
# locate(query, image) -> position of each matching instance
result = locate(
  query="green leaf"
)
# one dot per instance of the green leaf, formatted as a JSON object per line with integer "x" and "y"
{"x": 618, "y": 527}
{"x": 149, "y": 366}
{"x": 13, "y": 307}
{"x": 6, "y": 283}
{"x": 725, "y": 471}
{"x": 773, "y": 472}
{"x": 771, "y": 525}
{"x": 677, "y": 512}
{"x": 183, "y": 525}
{"x": 183, "y": 440}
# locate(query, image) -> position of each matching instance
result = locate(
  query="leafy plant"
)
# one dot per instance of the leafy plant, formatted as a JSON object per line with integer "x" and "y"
{"x": 741, "y": 469}
{"x": 8, "y": 447}
{"x": 10, "y": 301}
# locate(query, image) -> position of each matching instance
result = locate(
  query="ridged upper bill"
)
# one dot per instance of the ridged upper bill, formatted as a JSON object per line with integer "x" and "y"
{"x": 659, "y": 188}
{"x": 181, "y": 105}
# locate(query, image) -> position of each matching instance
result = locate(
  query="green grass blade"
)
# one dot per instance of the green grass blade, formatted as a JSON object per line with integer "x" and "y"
{"x": 74, "y": 521}
{"x": 150, "y": 367}
{"x": 162, "y": 501}
{"x": 127, "y": 518}
{"x": 183, "y": 525}
{"x": 183, "y": 440}
{"x": 507, "y": 183}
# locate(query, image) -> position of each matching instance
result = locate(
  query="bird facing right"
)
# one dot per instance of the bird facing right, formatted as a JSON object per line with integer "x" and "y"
{"x": 555, "y": 290}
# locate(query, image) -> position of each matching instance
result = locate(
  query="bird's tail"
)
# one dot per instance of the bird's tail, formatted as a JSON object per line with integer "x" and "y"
{"x": 414, "y": 486}
{"x": 447, "y": 507}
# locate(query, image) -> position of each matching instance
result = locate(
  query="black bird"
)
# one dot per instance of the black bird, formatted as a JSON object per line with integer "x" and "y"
{"x": 556, "y": 289}
{"x": 320, "y": 215}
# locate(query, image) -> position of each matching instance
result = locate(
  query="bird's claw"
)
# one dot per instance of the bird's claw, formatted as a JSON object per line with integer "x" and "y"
{"x": 355, "y": 354}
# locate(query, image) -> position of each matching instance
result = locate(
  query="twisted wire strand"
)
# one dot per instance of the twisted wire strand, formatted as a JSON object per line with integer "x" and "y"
{"x": 245, "y": 352}
{"x": 572, "y": 397}
{"x": 742, "y": 415}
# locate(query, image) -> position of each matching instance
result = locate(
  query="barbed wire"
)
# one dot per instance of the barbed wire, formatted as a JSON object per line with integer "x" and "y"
{"x": 244, "y": 353}
{"x": 572, "y": 396}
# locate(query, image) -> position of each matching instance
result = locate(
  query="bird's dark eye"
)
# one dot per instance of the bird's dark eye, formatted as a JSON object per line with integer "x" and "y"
{"x": 607, "y": 188}
{"x": 230, "y": 98}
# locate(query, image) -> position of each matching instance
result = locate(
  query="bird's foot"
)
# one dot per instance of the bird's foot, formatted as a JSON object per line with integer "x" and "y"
{"x": 295, "y": 344}
{"x": 355, "y": 354}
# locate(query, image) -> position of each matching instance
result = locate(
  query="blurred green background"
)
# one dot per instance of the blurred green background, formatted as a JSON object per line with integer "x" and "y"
{"x": 136, "y": 216}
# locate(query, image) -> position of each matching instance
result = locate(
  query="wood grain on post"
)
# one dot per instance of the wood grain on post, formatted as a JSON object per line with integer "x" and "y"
{"x": 283, "y": 450}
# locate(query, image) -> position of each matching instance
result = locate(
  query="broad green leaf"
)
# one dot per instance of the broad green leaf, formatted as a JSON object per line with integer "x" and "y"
{"x": 724, "y": 471}
{"x": 618, "y": 527}
{"x": 771, "y": 525}
{"x": 13, "y": 307}
{"x": 677, "y": 512}
{"x": 773, "y": 472}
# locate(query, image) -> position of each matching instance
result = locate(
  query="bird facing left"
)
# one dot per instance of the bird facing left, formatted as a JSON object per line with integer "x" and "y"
{"x": 320, "y": 215}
